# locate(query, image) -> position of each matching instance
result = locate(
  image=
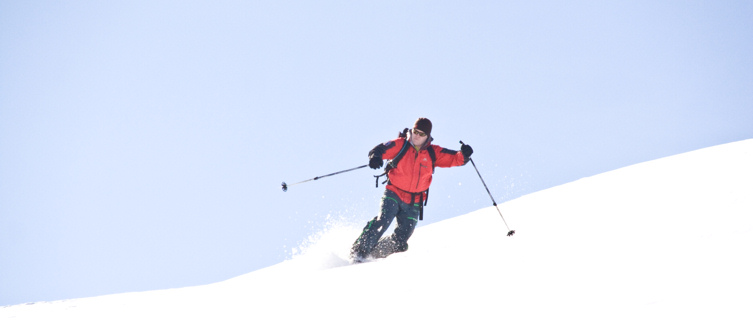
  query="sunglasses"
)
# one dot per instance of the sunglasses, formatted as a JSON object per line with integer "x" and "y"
{"x": 419, "y": 133}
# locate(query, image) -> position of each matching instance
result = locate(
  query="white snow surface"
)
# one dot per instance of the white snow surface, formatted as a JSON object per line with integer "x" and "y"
{"x": 665, "y": 239}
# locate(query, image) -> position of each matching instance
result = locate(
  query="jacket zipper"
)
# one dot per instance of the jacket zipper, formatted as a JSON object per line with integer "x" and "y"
{"x": 418, "y": 180}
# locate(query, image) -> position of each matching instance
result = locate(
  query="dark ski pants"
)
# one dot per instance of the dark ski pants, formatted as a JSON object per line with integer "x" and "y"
{"x": 406, "y": 214}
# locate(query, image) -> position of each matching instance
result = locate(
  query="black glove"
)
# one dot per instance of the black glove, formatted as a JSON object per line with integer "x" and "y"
{"x": 375, "y": 162}
{"x": 467, "y": 151}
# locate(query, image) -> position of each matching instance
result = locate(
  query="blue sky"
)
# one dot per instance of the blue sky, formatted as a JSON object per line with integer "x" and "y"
{"x": 143, "y": 143}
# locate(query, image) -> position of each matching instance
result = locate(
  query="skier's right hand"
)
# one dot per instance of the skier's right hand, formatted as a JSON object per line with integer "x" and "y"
{"x": 375, "y": 162}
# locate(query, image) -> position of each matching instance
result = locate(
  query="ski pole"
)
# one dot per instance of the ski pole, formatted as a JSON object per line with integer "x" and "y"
{"x": 509, "y": 232}
{"x": 285, "y": 185}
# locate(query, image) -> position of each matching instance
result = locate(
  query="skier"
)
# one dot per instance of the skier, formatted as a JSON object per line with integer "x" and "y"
{"x": 409, "y": 175}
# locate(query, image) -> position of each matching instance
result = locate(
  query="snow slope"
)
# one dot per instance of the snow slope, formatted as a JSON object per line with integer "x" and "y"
{"x": 666, "y": 239}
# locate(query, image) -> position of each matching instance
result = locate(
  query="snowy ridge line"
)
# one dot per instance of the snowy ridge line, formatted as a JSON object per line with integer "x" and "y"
{"x": 656, "y": 240}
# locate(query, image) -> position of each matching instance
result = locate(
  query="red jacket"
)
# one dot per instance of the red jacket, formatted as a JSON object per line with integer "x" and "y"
{"x": 413, "y": 173}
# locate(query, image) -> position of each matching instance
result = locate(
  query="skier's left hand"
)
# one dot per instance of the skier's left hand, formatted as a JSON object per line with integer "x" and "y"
{"x": 466, "y": 150}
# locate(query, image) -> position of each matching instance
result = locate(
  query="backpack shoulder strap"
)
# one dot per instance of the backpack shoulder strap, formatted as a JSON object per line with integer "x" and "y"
{"x": 393, "y": 163}
{"x": 433, "y": 156}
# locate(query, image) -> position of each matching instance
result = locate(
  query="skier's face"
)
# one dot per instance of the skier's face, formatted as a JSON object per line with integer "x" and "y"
{"x": 418, "y": 138}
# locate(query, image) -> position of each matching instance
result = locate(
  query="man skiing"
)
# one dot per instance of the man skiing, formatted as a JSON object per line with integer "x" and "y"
{"x": 409, "y": 175}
